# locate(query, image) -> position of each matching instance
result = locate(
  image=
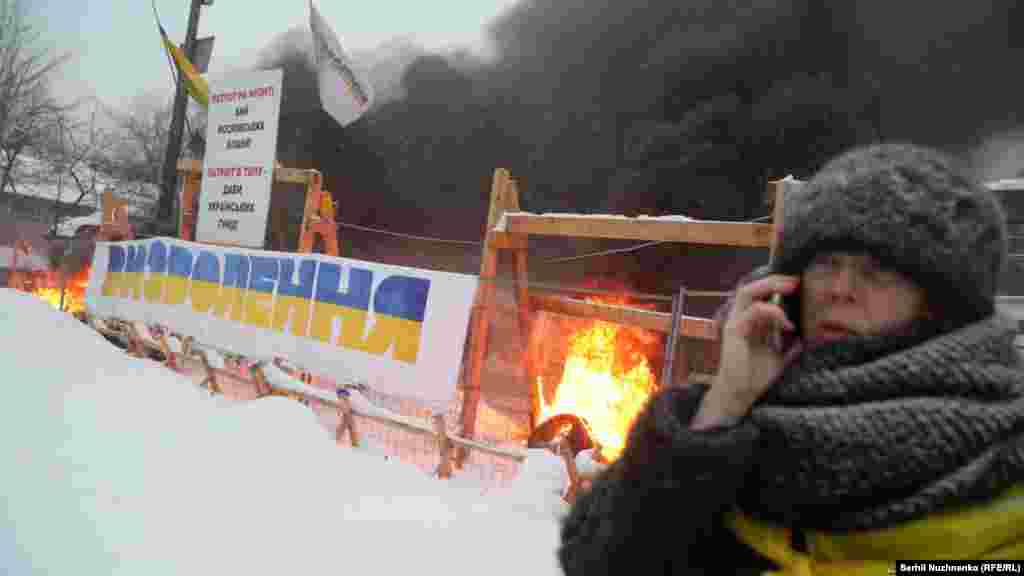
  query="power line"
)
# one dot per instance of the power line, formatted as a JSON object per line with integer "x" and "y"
{"x": 633, "y": 248}
{"x": 476, "y": 243}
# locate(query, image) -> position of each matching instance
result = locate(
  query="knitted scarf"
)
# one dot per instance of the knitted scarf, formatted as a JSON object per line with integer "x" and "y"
{"x": 871, "y": 432}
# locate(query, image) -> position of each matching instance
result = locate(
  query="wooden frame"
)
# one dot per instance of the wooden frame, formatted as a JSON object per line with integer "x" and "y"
{"x": 504, "y": 198}
{"x": 518, "y": 226}
{"x": 115, "y": 225}
{"x": 318, "y": 220}
{"x": 318, "y": 217}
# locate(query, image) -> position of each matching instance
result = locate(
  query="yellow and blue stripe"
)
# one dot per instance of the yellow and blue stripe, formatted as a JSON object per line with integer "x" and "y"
{"x": 335, "y": 303}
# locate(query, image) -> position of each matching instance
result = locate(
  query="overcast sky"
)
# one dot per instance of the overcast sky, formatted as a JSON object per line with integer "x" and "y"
{"x": 116, "y": 52}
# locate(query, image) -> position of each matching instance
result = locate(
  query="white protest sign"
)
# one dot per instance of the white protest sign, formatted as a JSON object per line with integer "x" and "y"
{"x": 399, "y": 330}
{"x": 238, "y": 170}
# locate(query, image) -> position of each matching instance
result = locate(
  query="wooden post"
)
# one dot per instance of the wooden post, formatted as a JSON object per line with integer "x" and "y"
{"x": 135, "y": 346}
{"x": 318, "y": 212}
{"x": 681, "y": 364}
{"x": 318, "y": 218}
{"x": 538, "y": 355}
{"x": 170, "y": 358}
{"x": 444, "y": 448}
{"x": 263, "y": 388}
{"x": 564, "y": 450}
{"x": 186, "y": 345}
{"x": 777, "y": 190}
{"x": 115, "y": 224}
{"x": 328, "y": 226}
{"x": 483, "y": 311}
{"x": 210, "y": 382}
{"x": 522, "y": 282}
{"x": 347, "y": 422}
{"x": 522, "y": 303}
{"x": 668, "y": 377}
{"x": 191, "y": 183}
{"x": 15, "y": 279}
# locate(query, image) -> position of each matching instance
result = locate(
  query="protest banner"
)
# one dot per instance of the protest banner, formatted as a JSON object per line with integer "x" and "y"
{"x": 238, "y": 168}
{"x": 399, "y": 330}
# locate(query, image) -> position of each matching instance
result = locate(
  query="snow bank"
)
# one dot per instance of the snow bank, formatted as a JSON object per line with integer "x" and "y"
{"x": 116, "y": 465}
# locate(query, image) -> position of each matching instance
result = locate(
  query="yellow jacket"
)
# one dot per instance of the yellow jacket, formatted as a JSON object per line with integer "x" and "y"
{"x": 990, "y": 531}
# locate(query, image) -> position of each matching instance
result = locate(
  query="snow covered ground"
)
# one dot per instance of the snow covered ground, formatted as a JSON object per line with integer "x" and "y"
{"x": 116, "y": 465}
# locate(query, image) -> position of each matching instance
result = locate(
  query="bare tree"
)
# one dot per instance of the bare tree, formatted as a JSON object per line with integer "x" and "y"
{"x": 136, "y": 160}
{"x": 78, "y": 152}
{"x": 143, "y": 137}
{"x": 27, "y": 105}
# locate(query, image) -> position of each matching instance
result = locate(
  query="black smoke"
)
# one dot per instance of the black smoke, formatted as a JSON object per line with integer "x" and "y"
{"x": 637, "y": 106}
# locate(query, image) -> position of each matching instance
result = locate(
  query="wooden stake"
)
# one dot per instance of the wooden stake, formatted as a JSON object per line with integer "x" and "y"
{"x": 318, "y": 218}
{"x": 191, "y": 184}
{"x": 483, "y": 312}
{"x": 538, "y": 362}
{"x": 210, "y": 382}
{"x": 522, "y": 283}
{"x": 444, "y": 448}
{"x": 565, "y": 451}
{"x": 115, "y": 224}
{"x": 348, "y": 422}
{"x": 263, "y": 388}
{"x": 328, "y": 226}
{"x": 136, "y": 347}
{"x": 777, "y": 190}
{"x": 170, "y": 358}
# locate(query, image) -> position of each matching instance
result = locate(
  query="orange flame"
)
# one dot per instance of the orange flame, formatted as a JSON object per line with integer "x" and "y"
{"x": 74, "y": 291}
{"x": 606, "y": 381}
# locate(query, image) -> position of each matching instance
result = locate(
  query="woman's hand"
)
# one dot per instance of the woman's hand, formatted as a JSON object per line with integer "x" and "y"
{"x": 750, "y": 358}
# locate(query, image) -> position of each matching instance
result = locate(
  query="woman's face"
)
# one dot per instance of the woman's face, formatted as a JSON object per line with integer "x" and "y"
{"x": 849, "y": 294}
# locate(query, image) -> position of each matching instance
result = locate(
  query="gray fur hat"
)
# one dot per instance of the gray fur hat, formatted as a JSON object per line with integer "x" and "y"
{"x": 916, "y": 210}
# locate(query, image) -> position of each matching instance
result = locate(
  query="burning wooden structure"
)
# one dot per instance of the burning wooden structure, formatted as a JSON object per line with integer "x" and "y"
{"x": 589, "y": 361}
{"x": 596, "y": 352}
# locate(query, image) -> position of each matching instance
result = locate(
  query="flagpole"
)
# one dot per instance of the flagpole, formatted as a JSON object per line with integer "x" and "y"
{"x": 174, "y": 135}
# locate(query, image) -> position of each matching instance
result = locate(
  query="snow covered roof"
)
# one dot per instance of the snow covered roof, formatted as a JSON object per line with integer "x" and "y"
{"x": 1008, "y": 184}
{"x": 69, "y": 226}
{"x": 40, "y": 178}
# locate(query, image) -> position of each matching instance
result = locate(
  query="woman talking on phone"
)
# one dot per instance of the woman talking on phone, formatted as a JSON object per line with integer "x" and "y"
{"x": 886, "y": 424}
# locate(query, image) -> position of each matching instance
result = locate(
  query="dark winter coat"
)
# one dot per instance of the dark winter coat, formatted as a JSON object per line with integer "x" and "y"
{"x": 855, "y": 437}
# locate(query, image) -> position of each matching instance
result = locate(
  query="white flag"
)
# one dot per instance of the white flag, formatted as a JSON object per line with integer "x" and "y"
{"x": 344, "y": 92}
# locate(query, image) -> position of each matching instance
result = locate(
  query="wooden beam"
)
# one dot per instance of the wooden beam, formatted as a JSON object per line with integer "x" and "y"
{"x": 293, "y": 175}
{"x": 482, "y": 314}
{"x": 778, "y": 189}
{"x": 519, "y": 248}
{"x": 192, "y": 184}
{"x": 748, "y": 234}
{"x": 307, "y": 236}
{"x": 506, "y": 241}
{"x": 689, "y": 326}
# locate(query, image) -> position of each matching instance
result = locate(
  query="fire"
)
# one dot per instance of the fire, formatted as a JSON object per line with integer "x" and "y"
{"x": 74, "y": 291}
{"x": 606, "y": 380}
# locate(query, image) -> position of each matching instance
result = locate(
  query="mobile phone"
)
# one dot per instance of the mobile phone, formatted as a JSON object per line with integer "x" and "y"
{"x": 778, "y": 341}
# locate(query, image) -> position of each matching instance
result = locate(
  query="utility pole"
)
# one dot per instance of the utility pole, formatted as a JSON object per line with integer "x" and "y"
{"x": 165, "y": 211}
